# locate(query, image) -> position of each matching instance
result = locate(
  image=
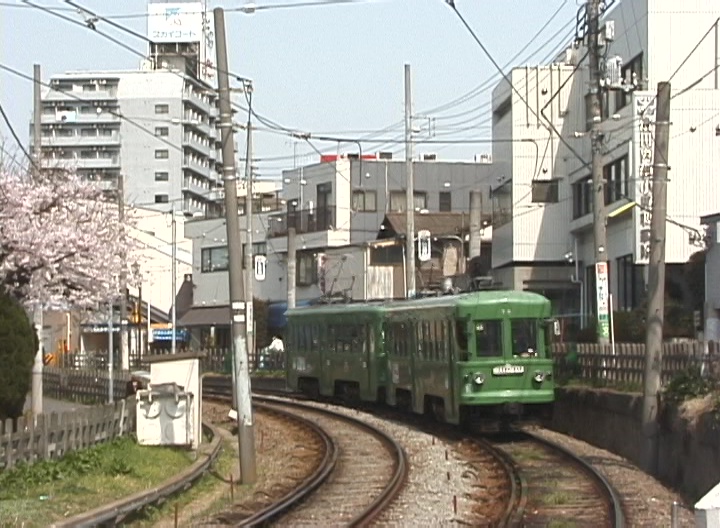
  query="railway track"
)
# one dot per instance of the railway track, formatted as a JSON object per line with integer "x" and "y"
{"x": 361, "y": 473}
{"x": 549, "y": 484}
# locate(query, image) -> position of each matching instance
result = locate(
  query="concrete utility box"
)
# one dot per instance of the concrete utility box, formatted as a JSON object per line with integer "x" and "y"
{"x": 707, "y": 509}
{"x": 169, "y": 411}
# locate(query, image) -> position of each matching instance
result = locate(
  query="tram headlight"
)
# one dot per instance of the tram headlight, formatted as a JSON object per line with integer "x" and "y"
{"x": 478, "y": 378}
{"x": 539, "y": 377}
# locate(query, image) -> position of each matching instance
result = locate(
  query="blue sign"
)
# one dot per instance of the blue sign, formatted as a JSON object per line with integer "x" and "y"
{"x": 163, "y": 334}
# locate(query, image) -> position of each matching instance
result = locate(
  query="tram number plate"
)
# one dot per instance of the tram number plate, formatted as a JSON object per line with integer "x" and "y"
{"x": 508, "y": 370}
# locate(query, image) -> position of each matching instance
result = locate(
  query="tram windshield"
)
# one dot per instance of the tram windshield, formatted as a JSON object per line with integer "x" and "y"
{"x": 488, "y": 338}
{"x": 524, "y": 337}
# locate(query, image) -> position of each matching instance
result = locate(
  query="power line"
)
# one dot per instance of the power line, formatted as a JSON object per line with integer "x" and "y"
{"x": 15, "y": 136}
{"x": 510, "y": 83}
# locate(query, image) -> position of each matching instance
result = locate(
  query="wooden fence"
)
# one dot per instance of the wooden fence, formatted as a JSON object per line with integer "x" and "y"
{"x": 625, "y": 363}
{"x": 83, "y": 386}
{"x": 50, "y": 436}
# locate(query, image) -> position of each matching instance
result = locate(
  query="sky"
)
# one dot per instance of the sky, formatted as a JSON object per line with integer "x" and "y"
{"x": 335, "y": 70}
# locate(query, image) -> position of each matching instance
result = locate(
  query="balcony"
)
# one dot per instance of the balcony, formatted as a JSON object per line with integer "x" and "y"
{"x": 305, "y": 221}
{"x": 81, "y": 141}
{"x": 194, "y": 165}
{"x": 75, "y": 97}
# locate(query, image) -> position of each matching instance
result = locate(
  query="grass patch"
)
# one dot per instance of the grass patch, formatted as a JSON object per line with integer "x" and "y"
{"x": 557, "y": 498}
{"x": 47, "y": 491}
{"x": 204, "y": 490}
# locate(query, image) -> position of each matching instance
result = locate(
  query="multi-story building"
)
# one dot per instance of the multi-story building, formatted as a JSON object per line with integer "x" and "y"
{"x": 343, "y": 200}
{"x": 155, "y": 127}
{"x": 542, "y": 195}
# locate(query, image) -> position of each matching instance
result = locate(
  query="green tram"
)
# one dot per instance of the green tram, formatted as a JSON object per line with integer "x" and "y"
{"x": 475, "y": 357}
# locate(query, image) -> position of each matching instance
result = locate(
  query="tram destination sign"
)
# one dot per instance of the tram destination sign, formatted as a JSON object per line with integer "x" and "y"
{"x": 508, "y": 370}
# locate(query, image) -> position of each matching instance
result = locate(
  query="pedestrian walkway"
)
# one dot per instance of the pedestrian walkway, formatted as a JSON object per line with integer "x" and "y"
{"x": 51, "y": 405}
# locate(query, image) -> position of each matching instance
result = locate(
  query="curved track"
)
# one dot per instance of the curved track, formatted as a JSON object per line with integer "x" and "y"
{"x": 363, "y": 470}
{"x": 550, "y": 484}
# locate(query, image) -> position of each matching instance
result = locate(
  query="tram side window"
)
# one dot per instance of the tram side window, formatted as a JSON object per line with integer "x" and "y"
{"x": 524, "y": 337}
{"x": 488, "y": 338}
{"x": 462, "y": 340}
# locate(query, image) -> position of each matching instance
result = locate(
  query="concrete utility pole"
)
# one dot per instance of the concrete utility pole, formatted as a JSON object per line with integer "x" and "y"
{"x": 291, "y": 267}
{"x": 111, "y": 346}
{"x": 249, "y": 267}
{"x": 656, "y": 279}
{"x": 475, "y": 224}
{"x": 409, "y": 192}
{"x": 602, "y": 283}
{"x": 173, "y": 280}
{"x": 123, "y": 337}
{"x": 36, "y": 392}
{"x": 246, "y": 435}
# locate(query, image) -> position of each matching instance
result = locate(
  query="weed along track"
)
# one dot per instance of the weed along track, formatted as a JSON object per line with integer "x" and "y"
{"x": 548, "y": 486}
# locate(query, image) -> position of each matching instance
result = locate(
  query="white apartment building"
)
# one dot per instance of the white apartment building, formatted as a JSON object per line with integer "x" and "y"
{"x": 542, "y": 201}
{"x": 164, "y": 145}
{"x": 156, "y": 125}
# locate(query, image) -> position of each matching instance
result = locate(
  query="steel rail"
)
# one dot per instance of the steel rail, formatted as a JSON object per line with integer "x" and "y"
{"x": 517, "y": 501}
{"x": 617, "y": 516}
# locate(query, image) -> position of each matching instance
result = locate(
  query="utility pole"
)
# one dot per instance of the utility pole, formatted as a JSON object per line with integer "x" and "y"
{"x": 123, "y": 338}
{"x": 475, "y": 224}
{"x": 291, "y": 267}
{"x": 246, "y": 435}
{"x": 409, "y": 192}
{"x": 602, "y": 282}
{"x": 249, "y": 267}
{"x": 36, "y": 392}
{"x": 656, "y": 279}
{"x": 173, "y": 279}
{"x": 111, "y": 346}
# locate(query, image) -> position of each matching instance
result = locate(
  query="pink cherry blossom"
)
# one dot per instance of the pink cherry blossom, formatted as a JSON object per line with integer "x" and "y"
{"x": 61, "y": 242}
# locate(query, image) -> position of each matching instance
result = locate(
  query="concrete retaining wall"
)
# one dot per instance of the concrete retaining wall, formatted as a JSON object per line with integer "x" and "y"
{"x": 689, "y": 452}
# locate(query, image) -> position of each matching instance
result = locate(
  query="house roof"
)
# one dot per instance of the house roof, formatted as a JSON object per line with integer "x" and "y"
{"x": 206, "y": 316}
{"x": 438, "y": 224}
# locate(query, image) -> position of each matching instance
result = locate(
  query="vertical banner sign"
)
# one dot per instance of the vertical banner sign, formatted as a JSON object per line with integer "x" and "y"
{"x": 603, "y": 297}
{"x": 644, "y": 147}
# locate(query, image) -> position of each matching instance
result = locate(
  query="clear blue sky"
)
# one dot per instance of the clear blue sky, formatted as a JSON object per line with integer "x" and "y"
{"x": 334, "y": 69}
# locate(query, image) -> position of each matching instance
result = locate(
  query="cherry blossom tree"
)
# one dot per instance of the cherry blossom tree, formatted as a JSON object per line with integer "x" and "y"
{"x": 61, "y": 242}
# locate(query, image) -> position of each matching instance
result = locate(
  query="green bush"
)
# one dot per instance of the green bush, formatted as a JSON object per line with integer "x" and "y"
{"x": 18, "y": 343}
{"x": 687, "y": 385}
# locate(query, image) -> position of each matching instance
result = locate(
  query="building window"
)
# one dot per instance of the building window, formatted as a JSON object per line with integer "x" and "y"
{"x": 89, "y": 87}
{"x": 445, "y": 204}
{"x": 214, "y": 259}
{"x": 502, "y": 205}
{"x": 545, "y": 191}
{"x": 162, "y": 109}
{"x": 162, "y": 176}
{"x": 582, "y": 197}
{"x": 162, "y": 154}
{"x": 88, "y": 154}
{"x": 364, "y": 201}
{"x": 398, "y": 201}
{"x": 259, "y": 248}
{"x": 630, "y": 283}
{"x": 88, "y": 132}
{"x": 616, "y": 180}
{"x": 632, "y": 74}
{"x": 161, "y": 198}
{"x": 307, "y": 272}
{"x": 162, "y": 131}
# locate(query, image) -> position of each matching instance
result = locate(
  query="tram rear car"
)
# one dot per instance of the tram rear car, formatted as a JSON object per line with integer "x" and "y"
{"x": 337, "y": 350}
